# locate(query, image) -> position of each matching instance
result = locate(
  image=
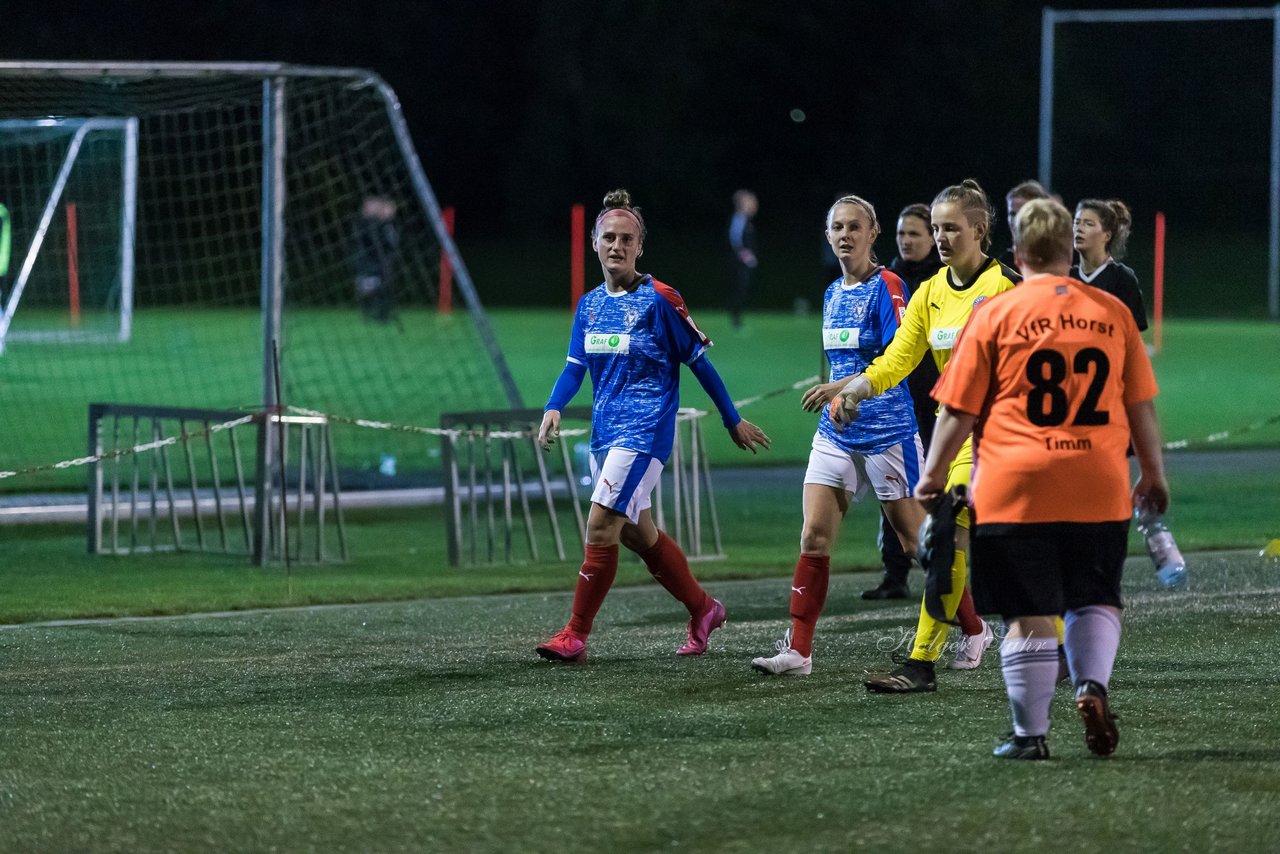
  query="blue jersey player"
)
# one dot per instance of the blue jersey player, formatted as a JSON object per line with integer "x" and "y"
{"x": 632, "y": 333}
{"x": 880, "y": 450}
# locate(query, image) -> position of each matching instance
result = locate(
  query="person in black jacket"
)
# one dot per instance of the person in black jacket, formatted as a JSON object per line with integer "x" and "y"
{"x": 375, "y": 247}
{"x": 1101, "y": 232}
{"x": 917, "y": 260}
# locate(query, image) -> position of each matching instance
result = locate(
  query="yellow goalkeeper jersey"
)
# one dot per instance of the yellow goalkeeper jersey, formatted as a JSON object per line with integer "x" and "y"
{"x": 936, "y": 313}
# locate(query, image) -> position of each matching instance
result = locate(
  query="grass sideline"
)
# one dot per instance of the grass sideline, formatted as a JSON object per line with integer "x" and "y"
{"x": 400, "y": 554}
{"x": 431, "y": 726}
{"x": 1204, "y": 389}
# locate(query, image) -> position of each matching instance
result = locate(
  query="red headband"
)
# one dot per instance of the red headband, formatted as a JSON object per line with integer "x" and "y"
{"x": 618, "y": 212}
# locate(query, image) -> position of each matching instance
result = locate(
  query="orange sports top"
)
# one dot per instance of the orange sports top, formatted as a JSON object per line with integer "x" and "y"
{"x": 1049, "y": 368}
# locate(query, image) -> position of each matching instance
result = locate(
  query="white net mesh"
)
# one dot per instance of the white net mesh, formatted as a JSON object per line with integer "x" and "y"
{"x": 361, "y": 331}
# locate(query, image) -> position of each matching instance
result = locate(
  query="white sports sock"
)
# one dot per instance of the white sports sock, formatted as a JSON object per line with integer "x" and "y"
{"x": 1092, "y": 638}
{"x": 1030, "y": 667}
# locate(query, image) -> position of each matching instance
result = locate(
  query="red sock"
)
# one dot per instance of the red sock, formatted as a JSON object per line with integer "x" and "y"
{"x": 808, "y": 595}
{"x": 599, "y": 568}
{"x": 970, "y": 622}
{"x": 670, "y": 568}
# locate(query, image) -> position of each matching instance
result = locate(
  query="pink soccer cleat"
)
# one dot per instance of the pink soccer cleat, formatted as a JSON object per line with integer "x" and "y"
{"x": 565, "y": 646}
{"x": 701, "y": 627}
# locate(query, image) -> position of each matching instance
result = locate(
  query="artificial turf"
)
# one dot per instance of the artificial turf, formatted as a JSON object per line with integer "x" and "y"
{"x": 431, "y": 726}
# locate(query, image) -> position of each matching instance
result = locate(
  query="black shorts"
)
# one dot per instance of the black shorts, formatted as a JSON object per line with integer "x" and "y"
{"x": 1043, "y": 568}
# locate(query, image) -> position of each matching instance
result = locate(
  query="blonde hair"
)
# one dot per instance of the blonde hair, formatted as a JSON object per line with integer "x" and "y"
{"x": 867, "y": 208}
{"x": 975, "y": 205}
{"x": 619, "y": 200}
{"x": 1042, "y": 233}
{"x": 1114, "y": 216}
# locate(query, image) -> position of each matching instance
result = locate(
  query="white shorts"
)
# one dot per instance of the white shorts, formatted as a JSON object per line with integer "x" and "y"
{"x": 893, "y": 473}
{"x": 624, "y": 480}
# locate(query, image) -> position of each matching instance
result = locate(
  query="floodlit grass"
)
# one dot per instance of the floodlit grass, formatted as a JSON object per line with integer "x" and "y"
{"x": 426, "y": 723}
{"x": 1223, "y": 501}
{"x": 1215, "y": 376}
{"x": 431, "y": 726}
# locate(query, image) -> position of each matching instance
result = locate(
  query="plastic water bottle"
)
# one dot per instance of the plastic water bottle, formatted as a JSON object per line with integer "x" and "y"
{"x": 387, "y": 465}
{"x": 1171, "y": 569}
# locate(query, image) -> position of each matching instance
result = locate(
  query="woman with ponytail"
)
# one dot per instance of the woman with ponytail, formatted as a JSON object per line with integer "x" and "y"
{"x": 881, "y": 451}
{"x": 961, "y": 225}
{"x": 632, "y": 333}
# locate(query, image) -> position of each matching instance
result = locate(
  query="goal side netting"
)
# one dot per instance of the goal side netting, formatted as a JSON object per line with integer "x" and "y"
{"x": 133, "y": 206}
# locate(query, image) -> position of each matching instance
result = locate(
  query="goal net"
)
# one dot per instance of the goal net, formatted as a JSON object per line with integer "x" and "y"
{"x": 141, "y": 203}
{"x": 70, "y": 186}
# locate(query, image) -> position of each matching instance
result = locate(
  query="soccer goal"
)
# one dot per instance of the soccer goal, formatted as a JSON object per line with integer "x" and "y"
{"x": 172, "y": 225}
{"x": 72, "y": 188}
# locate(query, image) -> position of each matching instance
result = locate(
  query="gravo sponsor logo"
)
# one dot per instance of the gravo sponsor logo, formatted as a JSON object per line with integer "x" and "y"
{"x": 608, "y": 342}
{"x": 943, "y": 339}
{"x": 840, "y": 339}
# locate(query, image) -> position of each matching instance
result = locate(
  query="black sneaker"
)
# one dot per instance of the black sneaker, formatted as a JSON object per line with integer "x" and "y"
{"x": 913, "y": 677}
{"x": 887, "y": 590}
{"x": 1101, "y": 735}
{"x": 1022, "y": 747}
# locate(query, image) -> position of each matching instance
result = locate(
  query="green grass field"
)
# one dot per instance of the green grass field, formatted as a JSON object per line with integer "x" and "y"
{"x": 426, "y": 722}
{"x": 208, "y": 358}
{"x": 431, "y": 726}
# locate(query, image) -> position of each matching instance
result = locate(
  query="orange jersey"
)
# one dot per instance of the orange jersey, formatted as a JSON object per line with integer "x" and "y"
{"x": 1049, "y": 368}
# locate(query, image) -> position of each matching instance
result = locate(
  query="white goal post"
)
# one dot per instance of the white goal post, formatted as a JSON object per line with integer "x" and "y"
{"x": 1050, "y": 20}
{"x": 47, "y": 135}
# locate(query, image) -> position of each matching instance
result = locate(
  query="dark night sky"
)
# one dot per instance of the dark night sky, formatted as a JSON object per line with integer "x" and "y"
{"x": 520, "y": 108}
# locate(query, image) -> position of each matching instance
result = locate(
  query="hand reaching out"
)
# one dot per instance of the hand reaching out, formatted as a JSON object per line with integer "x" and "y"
{"x": 748, "y": 436}
{"x": 820, "y": 395}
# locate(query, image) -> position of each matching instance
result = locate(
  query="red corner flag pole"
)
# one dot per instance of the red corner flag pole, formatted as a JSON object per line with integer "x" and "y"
{"x": 577, "y": 249}
{"x": 73, "y": 264}
{"x": 1158, "y": 283}
{"x": 446, "y": 268}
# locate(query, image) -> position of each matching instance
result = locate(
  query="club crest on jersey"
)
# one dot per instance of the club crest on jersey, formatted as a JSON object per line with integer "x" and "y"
{"x": 607, "y": 342}
{"x": 629, "y": 319}
{"x": 979, "y": 301}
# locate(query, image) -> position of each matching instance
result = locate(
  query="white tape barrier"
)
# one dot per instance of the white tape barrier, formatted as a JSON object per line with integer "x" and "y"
{"x": 1180, "y": 444}
{"x": 136, "y": 449}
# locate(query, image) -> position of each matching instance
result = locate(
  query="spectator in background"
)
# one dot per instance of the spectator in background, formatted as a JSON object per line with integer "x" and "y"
{"x": 375, "y": 249}
{"x": 743, "y": 261}
{"x": 917, "y": 260}
{"x": 1101, "y": 232}
{"x": 1014, "y": 200}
